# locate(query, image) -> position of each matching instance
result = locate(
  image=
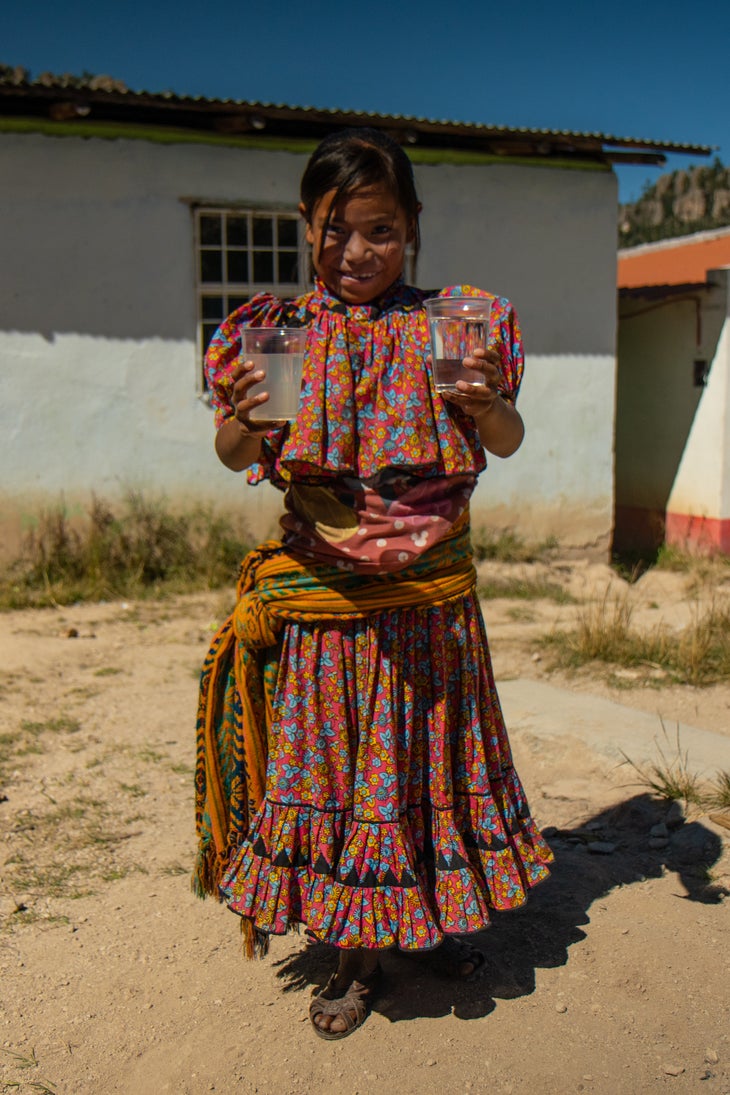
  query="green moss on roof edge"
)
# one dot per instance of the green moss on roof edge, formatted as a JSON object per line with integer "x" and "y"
{"x": 170, "y": 135}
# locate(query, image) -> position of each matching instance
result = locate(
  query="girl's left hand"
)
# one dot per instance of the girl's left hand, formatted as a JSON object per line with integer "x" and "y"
{"x": 477, "y": 399}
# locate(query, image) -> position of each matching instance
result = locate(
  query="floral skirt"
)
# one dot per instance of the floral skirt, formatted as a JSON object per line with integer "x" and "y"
{"x": 393, "y": 814}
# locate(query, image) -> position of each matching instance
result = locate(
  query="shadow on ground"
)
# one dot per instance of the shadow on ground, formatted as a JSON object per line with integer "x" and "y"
{"x": 538, "y": 935}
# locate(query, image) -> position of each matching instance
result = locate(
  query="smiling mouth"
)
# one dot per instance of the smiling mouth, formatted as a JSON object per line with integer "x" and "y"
{"x": 358, "y": 277}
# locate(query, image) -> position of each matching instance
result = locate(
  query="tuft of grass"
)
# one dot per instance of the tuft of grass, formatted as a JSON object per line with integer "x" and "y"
{"x": 506, "y": 546}
{"x": 523, "y": 589}
{"x": 116, "y": 874}
{"x": 174, "y": 870}
{"x": 27, "y": 739}
{"x": 32, "y": 916}
{"x": 133, "y": 549}
{"x": 28, "y": 748}
{"x": 698, "y": 655}
{"x": 718, "y": 794}
{"x": 603, "y": 633}
{"x": 133, "y": 789}
{"x": 61, "y": 724}
{"x": 671, "y": 558}
{"x": 56, "y": 852}
{"x": 182, "y": 768}
{"x": 21, "y": 1061}
{"x": 669, "y": 778}
{"x": 149, "y": 755}
{"x": 521, "y": 614}
{"x": 632, "y": 565}
{"x": 24, "y": 1062}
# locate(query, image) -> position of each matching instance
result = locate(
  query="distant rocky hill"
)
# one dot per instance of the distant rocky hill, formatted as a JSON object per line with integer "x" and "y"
{"x": 678, "y": 203}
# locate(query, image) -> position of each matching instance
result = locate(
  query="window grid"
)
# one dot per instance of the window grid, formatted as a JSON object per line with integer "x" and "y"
{"x": 238, "y": 253}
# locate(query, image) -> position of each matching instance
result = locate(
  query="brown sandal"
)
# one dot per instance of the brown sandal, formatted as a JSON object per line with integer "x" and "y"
{"x": 352, "y": 1007}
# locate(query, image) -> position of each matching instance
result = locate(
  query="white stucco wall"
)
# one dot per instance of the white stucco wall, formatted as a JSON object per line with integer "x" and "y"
{"x": 658, "y": 408}
{"x": 545, "y": 239}
{"x": 97, "y": 320}
{"x": 656, "y": 399}
{"x": 702, "y": 484}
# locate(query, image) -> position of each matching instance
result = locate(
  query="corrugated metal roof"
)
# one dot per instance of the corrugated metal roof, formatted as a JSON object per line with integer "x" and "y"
{"x": 110, "y": 99}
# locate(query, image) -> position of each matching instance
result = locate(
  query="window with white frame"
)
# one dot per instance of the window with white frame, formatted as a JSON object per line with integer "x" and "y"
{"x": 240, "y": 252}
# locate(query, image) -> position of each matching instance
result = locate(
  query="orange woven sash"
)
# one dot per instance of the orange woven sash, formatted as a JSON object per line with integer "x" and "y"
{"x": 276, "y": 585}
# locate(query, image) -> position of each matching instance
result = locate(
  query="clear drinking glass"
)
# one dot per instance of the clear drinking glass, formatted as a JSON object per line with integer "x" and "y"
{"x": 279, "y": 353}
{"x": 458, "y": 326}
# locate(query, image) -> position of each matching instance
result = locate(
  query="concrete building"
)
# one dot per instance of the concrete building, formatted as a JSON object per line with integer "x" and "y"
{"x": 131, "y": 223}
{"x": 673, "y": 395}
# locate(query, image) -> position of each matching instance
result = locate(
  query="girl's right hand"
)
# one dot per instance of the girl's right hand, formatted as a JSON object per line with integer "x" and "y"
{"x": 245, "y": 376}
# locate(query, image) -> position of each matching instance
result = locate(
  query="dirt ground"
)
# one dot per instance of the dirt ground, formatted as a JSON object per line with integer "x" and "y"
{"x": 115, "y": 978}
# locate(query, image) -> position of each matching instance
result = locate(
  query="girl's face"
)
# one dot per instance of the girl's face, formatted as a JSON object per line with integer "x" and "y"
{"x": 363, "y": 249}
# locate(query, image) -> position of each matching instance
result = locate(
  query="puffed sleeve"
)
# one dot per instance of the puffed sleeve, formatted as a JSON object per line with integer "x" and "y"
{"x": 224, "y": 352}
{"x": 505, "y": 336}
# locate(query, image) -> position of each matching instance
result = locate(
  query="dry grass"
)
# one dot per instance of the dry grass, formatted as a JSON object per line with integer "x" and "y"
{"x": 139, "y": 547}
{"x": 671, "y": 558}
{"x": 523, "y": 587}
{"x": 23, "y": 1062}
{"x": 718, "y": 792}
{"x": 132, "y": 549}
{"x": 69, "y": 841}
{"x": 698, "y": 655}
{"x": 505, "y": 546}
{"x": 671, "y": 777}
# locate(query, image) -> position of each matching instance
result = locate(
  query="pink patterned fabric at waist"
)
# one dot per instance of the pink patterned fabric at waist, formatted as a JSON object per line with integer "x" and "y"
{"x": 377, "y": 526}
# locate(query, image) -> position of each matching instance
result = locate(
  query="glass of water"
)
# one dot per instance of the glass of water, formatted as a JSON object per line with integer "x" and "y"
{"x": 458, "y": 326}
{"x": 279, "y": 353}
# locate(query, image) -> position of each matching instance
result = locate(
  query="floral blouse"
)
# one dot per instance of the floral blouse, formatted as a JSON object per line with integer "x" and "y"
{"x": 376, "y": 466}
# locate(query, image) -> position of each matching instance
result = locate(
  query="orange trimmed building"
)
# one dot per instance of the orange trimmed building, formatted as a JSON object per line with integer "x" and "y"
{"x": 672, "y": 453}
{"x": 674, "y": 262}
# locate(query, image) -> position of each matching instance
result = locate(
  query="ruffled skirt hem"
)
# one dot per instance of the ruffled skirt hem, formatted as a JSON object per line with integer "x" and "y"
{"x": 406, "y": 884}
{"x": 393, "y": 813}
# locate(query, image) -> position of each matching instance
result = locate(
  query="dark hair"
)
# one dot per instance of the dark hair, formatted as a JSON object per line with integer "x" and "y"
{"x": 352, "y": 158}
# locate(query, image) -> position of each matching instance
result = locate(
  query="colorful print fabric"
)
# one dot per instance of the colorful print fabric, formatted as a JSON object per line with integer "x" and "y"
{"x": 368, "y": 403}
{"x": 393, "y": 813}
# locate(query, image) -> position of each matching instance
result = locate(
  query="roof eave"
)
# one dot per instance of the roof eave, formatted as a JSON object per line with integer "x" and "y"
{"x": 65, "y": 101}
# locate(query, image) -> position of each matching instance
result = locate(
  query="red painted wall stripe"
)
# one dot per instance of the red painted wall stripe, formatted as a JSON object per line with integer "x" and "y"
{"x": 704, "y": 534}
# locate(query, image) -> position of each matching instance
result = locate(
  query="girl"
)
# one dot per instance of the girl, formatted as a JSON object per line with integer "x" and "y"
{"x": 354, "y": 773}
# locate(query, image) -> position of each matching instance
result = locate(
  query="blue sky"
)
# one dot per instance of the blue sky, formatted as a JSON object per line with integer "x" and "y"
{"x": 654, "y": 69}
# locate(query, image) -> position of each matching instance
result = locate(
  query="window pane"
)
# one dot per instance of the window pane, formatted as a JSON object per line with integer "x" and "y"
{"x": 240, "y": 251}
{"x": 237, "y": 231}
{"x": 263, "y": 266}
{"x": 235, "y": 302}
{"x": 286, "y": 232}
{"x": 210, "y": 228}
{"x": 237, "y": 265}
{"x": 287, "y": 267}
{"x": 263, "y": 233}
{"x": 209, "y": 329}
{"x": 211, "y": 307}
{"x": 211, "y": 267}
